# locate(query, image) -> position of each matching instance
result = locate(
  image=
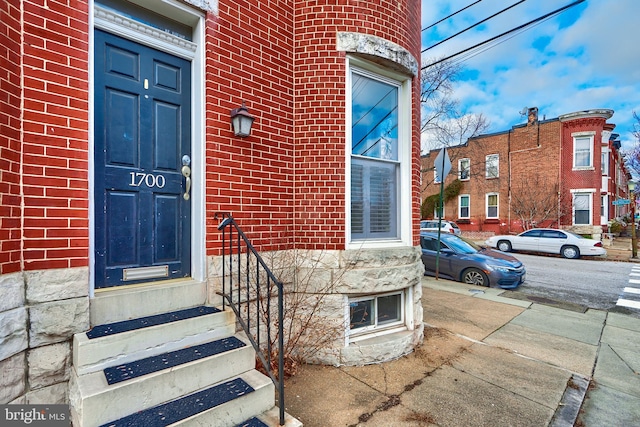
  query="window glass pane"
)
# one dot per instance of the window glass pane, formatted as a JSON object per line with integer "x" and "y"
{"x": 389, "y": 309}
{"x": 492, "y": 166}
{"x": 374, "y": 210}
{"x": 382, "y": 193}
{"x": 357, "y": 199}
{"x": 492, "y": 206}
{"x": 582, "y": 148}
{"x": 604, "y": 164}
{"x": 374, "y": 110}
{"x": 464, "y": 168}
{"x": 581, "y": 201}
{"x": 582, "y": 213}
{"x": 429, "y": 244}
{"x": 582, "y": 217}
{"x": 361, "y": 314}
{"x": 464, "y": 206}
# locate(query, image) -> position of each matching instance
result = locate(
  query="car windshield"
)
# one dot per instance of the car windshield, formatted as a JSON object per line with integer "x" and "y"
{"x": 462, "y": 245}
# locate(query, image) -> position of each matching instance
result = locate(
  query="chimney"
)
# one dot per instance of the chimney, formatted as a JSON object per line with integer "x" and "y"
{"x": 532, "y": 116}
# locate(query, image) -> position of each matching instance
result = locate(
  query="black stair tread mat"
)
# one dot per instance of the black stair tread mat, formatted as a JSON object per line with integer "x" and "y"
{"x": 170, "y": 359}
{"x": 143, "y": 322}
{"x": 253, "y": 422}
{"x": 185, "y": 407}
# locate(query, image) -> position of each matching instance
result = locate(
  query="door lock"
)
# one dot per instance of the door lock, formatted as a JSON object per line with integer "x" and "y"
{"x": 186, "y": 172}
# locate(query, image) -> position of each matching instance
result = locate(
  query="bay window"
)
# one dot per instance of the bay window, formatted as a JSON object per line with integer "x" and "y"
{"x": 379, "y": 154}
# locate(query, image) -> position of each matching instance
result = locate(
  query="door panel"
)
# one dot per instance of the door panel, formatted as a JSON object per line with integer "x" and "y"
{"x": 142, "y": 131}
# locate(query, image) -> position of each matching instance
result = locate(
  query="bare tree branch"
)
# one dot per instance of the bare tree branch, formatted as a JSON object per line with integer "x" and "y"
{"x": 442, "y": 123}
{"x": 534, "y": 201}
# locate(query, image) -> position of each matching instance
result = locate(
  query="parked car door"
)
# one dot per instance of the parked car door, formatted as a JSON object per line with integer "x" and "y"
{"x": 430, "y": 248}
{"x": 527, "y": 241}
{"x": 551, "y": 241}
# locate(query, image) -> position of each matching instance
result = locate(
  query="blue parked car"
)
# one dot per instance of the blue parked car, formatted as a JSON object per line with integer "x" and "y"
{"x": 464, "y": 261}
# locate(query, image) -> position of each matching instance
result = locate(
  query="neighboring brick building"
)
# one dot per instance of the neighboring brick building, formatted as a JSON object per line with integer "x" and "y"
{"x": 563, "y": 172}
{"x": 103, "y": 105}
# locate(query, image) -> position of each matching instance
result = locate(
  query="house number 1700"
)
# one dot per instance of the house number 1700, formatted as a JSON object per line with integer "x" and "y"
{"x": 148, "y": 179}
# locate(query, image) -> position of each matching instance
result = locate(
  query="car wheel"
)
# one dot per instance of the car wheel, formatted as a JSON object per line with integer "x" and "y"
{"x": 570, "y": 252}
{"x": 504, "y": 246}
{"x": 473, "y": 276}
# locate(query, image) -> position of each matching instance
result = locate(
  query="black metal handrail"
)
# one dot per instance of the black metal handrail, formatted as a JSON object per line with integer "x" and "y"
{"x": 250, "y": 295}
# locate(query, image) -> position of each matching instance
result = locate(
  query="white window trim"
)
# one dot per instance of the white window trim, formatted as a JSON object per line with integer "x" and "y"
{"x": 591, "y": 136}
{"x": 460, "y": 206}
{"x": 460, "y": 169}
{"x": 486, "y": 202}
{"x": 405, "y": 322}
{"x": 486, "y": 168}
{"x": 604, "y": 209}
{"x": 405, "y": 144}
{"x": 575, "y": 191}
{"x": 605, "y": 162}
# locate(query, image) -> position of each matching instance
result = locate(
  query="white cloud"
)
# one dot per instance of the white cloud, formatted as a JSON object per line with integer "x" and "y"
{"x": 591, "y": 60}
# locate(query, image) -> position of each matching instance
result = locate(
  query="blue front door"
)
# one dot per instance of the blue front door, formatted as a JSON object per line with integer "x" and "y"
{"x": 142, "y": 163}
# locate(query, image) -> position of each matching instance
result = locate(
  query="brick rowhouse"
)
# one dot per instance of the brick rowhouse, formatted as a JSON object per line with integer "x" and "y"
{"x": 287, "y": 184}
{"x": 540, "y": 152}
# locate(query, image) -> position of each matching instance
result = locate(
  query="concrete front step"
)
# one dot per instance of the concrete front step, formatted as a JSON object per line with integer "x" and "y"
{"x": 215, "y": 406}
{"x": 96, "y": 402}
{"x": 116, "y": 304}
{"x": 93, "y": 355}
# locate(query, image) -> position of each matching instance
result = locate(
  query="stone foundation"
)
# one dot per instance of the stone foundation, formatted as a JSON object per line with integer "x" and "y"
{"x": 327, "y": 279}
{"x": 39, "y": 313}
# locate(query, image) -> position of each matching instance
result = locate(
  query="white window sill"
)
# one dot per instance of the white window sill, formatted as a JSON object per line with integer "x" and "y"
{"x": 376, "y": 333}
{"x": 376, "y": 244}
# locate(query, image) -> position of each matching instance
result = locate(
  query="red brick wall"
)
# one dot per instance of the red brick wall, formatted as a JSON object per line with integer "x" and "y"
{"x": 46, "y": 148}
{"x": 525, "y": 152}
{"x": 582, "y": 179}
{"x": 10, "y": 93}
{"x": 250, "y": 57}
{"x": 288, "y": 174}
{"x": 55, "y": 144}
{"x": 320, "y": 108}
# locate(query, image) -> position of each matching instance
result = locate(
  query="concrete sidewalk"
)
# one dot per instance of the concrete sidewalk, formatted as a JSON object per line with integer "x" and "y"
{"x": 487, "y": 360}
{"x": 619, "y": 249}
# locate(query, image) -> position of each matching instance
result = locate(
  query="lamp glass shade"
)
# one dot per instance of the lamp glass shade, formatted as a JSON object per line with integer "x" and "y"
{"x": 631, "y": 186}
{"x": 241, "y": 121}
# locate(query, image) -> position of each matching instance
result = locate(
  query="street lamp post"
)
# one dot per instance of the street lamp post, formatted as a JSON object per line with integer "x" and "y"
{"x": 632, "y": 200}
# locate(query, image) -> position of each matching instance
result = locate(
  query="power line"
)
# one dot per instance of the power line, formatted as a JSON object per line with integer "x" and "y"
{"x": 471, "y": 53}
{"x": 555, "y": 12}
{"x": 453, "y": 14}
{"x": 472, "y": 26}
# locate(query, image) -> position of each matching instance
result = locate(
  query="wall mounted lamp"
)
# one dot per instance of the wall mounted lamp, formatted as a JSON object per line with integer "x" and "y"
{"x": 241, "y": 121}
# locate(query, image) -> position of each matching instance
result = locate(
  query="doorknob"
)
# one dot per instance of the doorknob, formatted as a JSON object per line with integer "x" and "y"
{"x": 186, "y": 172}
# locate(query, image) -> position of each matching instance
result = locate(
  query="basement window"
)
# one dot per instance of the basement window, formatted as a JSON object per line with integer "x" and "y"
{"x": 375, "y": 312}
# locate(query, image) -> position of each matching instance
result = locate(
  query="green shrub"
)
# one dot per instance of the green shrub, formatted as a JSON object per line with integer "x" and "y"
{"x": 615, "y": 226}
{"x": 451, "y": 191}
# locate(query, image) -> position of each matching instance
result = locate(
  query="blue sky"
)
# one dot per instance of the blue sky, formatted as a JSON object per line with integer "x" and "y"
{"x": 587, "y": 57}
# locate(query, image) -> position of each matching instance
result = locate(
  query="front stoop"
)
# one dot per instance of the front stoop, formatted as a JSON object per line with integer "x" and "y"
{"x": 185, "y": 368}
